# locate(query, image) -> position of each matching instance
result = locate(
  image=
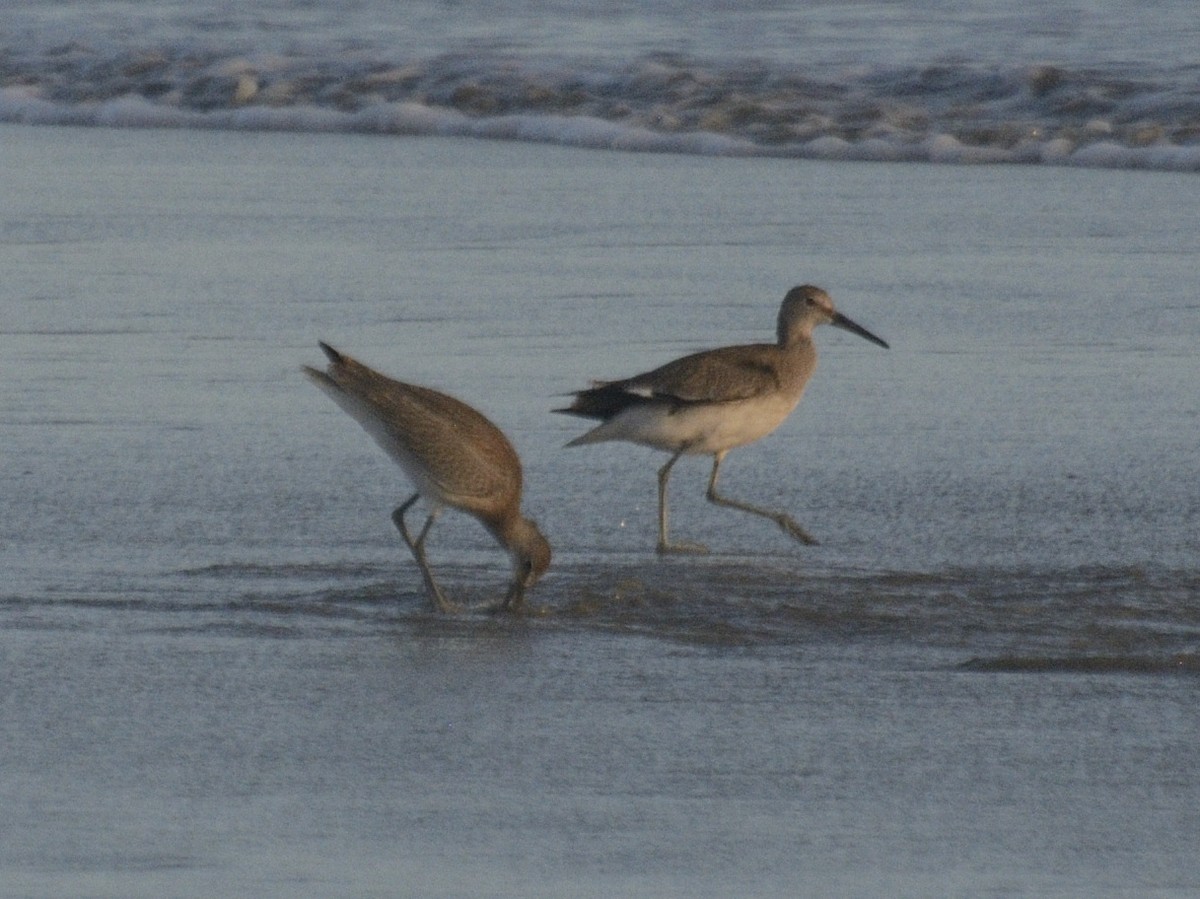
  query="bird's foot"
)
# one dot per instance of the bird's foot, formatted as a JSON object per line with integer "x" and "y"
{"x": 681, "y": 549}
{"x": 438, "y": 601}
{"x": 504, "y": 606}
{"x": 793, "y": 529}
{"x": 512, "y": 603}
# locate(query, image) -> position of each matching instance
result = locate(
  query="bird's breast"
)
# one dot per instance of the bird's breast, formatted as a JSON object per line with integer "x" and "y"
{"x": 711, "y": 428}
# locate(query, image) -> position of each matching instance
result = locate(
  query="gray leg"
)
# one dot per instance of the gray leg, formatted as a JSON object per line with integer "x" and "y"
{"x": 417, "y": 547}
{"x": 665, "y": 545}
{"x": 789, "y": 525}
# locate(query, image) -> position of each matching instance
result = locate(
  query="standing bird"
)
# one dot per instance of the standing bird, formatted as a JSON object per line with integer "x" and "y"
{"x": 454, "y": 457}
{"x": 710, "y": 402}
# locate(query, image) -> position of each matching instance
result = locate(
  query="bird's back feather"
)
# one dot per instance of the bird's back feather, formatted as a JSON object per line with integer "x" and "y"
{"x": 442, "y": 443}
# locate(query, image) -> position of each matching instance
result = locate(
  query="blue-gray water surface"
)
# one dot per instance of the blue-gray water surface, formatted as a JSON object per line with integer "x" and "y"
{"x": 219, "y": 672}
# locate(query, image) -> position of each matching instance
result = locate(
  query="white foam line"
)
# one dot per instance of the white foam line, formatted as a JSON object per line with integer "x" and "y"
{"x": 22, "y": 105}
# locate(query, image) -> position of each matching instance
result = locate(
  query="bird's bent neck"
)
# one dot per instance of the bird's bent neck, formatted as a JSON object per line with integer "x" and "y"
{"x": 512, "y": 530}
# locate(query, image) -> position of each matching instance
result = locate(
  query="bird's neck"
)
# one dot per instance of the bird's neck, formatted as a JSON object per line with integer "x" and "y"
{"x": 511, "y": 530}
{"x": 795, "y": 341}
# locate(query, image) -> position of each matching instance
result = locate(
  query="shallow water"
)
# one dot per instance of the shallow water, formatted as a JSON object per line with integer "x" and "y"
{"x": 220, "y": 672}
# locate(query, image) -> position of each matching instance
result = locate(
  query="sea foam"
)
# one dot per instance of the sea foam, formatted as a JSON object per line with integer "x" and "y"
{"x": 949, "y": 113}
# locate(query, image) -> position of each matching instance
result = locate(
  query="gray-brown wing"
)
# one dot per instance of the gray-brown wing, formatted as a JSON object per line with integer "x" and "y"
{"x": 726, "y": 374}
{"x": 460, "y": 451}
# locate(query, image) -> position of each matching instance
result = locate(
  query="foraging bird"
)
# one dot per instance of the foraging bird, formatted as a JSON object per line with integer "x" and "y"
{"x": 454, "y": 457}
{"x": 713, "y": 401}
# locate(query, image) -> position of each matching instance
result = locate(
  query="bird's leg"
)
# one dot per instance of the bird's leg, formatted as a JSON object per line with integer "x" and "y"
{"x": 513, "y": 601}
{"x": 417, "y": 547}
{"x": 402, "y": 525}
{"x": 398, "y": 519}
{"x": 665, "y": 545}
{"x": 788, "y": 524}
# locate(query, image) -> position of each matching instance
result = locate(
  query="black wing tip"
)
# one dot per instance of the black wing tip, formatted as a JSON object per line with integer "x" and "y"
{"x": 576, "y": 411}
{"x": 603, "y": 402}
{"x": 334, "y": 355}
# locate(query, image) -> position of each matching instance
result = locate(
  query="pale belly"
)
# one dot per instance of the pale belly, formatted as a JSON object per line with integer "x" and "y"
{"x": 700, "y": 429}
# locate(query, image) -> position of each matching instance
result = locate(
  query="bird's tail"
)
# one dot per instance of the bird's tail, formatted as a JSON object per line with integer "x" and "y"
{"x": 597, "y": 434}
{"x": 345, "y": 380}
{"x": 343, "y": 372}
{"x": 334, "y": 355}
{"x": 602, "y": 401}
{"x": 322, "y": 379}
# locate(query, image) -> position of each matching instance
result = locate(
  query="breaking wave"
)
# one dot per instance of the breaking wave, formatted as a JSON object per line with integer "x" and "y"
{"x": 944, "y": 113}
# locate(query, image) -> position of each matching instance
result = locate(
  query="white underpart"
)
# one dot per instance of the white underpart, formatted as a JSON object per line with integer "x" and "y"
{"x": 699, "y": 429}
{"x": 365, "y": 415}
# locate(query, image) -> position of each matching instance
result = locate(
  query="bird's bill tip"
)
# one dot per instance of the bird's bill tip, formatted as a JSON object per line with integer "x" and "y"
{"x": 847, "y": 324}
{"x": 514, "y": 599}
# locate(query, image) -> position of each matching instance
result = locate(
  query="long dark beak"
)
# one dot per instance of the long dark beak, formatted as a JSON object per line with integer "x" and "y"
{"x": 840, "y": 321}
